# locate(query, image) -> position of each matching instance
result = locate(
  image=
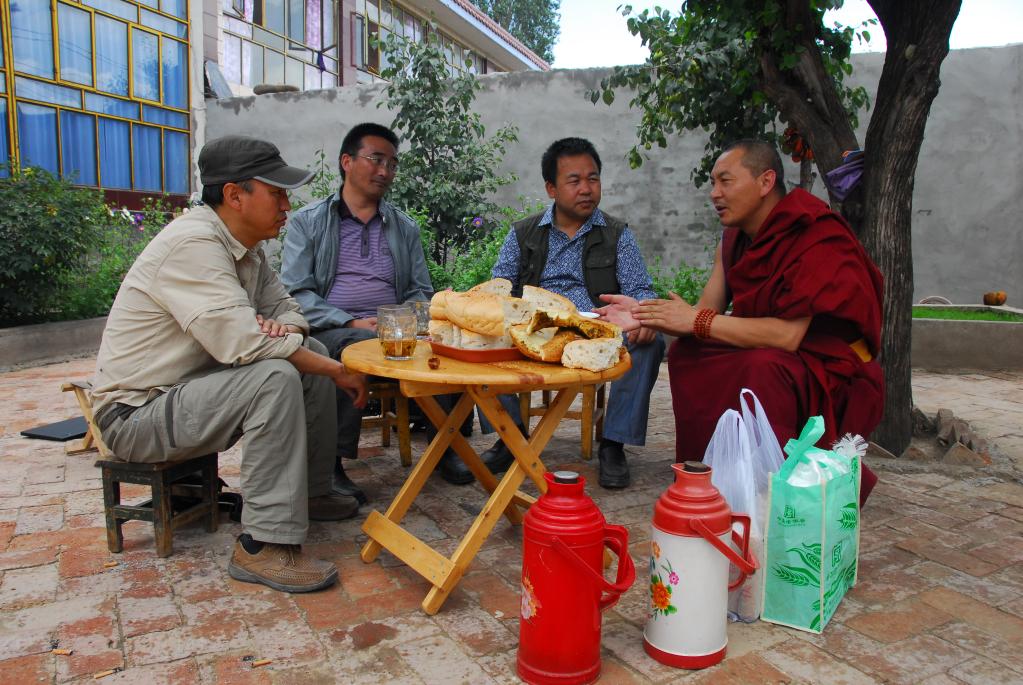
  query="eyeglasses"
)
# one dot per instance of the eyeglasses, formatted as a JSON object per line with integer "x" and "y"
{"x": 380, "y": 161}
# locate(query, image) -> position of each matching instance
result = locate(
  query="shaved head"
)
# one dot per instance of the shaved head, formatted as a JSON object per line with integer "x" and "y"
{"x": 759, "y": 156}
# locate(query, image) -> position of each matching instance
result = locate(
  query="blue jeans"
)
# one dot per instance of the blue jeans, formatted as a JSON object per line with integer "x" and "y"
{"x": 628, "y": 407}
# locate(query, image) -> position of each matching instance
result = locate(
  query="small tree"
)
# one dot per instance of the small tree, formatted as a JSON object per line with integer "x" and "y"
{"x": 449, "y": 166}
{"x": 534, "y": 22}
{"x": 732, "y": 67}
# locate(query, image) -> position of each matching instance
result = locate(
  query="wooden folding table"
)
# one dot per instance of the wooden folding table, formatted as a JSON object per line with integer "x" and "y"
{"x": 480, "y": 384}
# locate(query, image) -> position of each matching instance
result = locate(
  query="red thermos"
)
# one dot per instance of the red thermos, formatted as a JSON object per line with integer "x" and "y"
{"x": 563, "y": 586}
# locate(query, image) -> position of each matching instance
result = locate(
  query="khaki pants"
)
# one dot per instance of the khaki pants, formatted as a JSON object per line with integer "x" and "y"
{"x": 287, "y": 423}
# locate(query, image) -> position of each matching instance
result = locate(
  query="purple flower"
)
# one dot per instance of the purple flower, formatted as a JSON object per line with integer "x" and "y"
{"x": 477, "y": 222}
{"x": 673, "y": 578}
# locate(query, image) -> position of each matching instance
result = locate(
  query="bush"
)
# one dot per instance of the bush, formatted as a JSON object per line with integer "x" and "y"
{"x": 48, "y": 228}
{"x": 472, "y": 262}
{"x": 685, "y": 280}
{"x": 122, "y": 239}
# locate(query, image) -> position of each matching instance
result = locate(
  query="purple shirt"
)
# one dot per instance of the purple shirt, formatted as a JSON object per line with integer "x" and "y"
{"x": 364, "y": 279}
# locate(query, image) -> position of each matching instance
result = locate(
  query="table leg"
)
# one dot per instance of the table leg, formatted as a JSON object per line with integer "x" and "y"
{"x": 472, "y": 460}
{"x": 423, "y": 468}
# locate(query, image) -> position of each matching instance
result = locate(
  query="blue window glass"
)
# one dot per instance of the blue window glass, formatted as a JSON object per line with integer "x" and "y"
{"x": 78, "y": 147}
{"x": 145, "y": 154}
{"x": 296, "y": 20}
{"x": 47, "y": 92}
{"x": 107, "y": 105}
{"x": 273, "y": 15}
{"x": 175, "y": 73}
{"x": 111, "y": 55}
{"x": 114, "y": 153}
{"x": 118, "y": 8}
{"x": 164, "y": 117}
{"x": 5, "y": 152}
{"x": 75, "y": 29}
{"x": 37, "y": 136}
{"x": 175, "y": 162}
{"x": 164, "y": 24}
{"x": 32, "y": 34}
{"x": 175, "y": 7}
{"x": 145, "y": 55}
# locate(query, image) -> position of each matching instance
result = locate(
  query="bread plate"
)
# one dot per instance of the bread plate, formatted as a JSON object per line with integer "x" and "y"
{"x": 501, "y": 354}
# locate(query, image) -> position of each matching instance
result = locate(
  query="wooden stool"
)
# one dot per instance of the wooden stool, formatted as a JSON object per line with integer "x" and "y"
{"x": 591, "y": 414}
{"x": 390, "y": 396}
{"x": 91, "y": 441}
{"x": 161, "y": 477}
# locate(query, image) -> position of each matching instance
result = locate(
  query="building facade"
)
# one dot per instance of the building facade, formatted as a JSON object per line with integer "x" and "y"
{"x": 110, "y": 93}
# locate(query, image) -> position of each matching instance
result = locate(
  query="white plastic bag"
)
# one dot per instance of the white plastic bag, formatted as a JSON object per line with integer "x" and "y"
{"x": 743, "y": 454}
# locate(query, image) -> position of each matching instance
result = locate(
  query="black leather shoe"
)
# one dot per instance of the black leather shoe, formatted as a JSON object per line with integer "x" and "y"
{"x": 454, "y": 470}
{"x": 498, "y": 458}
{"x": 614, "y": 469}
{"x": 343, "y": 485}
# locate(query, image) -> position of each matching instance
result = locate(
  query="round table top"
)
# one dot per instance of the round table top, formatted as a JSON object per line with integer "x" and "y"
{"x": 367, "y": 356}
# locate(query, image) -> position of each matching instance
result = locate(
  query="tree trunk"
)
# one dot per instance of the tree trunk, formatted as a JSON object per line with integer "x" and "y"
{"x": 917, "y": 33}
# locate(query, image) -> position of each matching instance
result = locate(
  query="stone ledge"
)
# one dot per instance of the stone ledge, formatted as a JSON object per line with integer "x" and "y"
{"x": 49, "y": 342}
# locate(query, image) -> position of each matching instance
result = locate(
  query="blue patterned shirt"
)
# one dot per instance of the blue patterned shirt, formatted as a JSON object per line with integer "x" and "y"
{"x": 563, "y": 272}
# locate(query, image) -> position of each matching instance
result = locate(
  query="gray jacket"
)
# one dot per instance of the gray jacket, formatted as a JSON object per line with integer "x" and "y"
{"x": 310, "y": 259}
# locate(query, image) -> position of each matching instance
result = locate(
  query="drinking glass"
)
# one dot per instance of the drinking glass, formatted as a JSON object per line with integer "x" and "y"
{"x": 396, "y": 329}
{"x": 422, "y": 309}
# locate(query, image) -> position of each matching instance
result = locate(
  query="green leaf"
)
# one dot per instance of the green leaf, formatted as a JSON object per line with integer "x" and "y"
{"x": 794, "y": 575}
{"x": 810, "y": 555}
{"x": 609, "y": 97}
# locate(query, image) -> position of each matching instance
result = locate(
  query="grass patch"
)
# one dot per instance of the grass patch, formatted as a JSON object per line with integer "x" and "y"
{"x": 965, "y": 315}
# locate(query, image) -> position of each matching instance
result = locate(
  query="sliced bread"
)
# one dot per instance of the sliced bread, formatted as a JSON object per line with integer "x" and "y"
{"x": 593, "y": 355}
{"x": 545, "y": 299}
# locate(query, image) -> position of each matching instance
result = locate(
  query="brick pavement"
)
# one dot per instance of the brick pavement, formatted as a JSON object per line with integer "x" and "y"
{"x": 940, "y": 597}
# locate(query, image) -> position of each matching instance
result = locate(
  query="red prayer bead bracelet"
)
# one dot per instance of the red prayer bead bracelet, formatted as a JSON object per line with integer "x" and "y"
{"x": 701, "y": 326}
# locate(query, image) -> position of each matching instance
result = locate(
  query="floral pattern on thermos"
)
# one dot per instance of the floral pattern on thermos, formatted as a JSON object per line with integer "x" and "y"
{"x": 660, "y": 591}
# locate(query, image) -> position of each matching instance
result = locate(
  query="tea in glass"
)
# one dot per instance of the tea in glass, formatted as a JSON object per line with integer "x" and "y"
{"x": 396, "y": 329}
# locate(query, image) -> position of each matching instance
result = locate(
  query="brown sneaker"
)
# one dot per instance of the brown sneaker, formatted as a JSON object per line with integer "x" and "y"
{"x": 282, "y": 567}
{"x": 332, "y": 507}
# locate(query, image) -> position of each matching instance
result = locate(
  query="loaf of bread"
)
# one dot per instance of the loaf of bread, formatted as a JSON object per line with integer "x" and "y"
{"x": 593, "y": 355}
{"x": 439, "y": 305}
{"x": 545, "y": 345}
{"x": 478, "y": 312}
{"x": 446, "y": 333}
{"x": 470, "y": 340}
{"x": 495, "y": 286}
{"x": 587, "y": 328}
{"x": 545, "y": 299}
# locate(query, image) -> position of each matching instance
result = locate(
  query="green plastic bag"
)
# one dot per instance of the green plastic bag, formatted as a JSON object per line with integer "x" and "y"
{"x": 812, "y": 533}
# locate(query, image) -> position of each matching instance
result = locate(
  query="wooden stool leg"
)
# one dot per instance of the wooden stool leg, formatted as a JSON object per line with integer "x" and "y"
{"x": 601, "y": 404}
{"x": 162, "y": 517}
{"x": 112, "y": 498}
{"x": 385, "y": 418}
{"x": 586, "y": 422}
{"x": 404, "y": 435}
{"x": 209, "y": 479}
{"x": 525, "y": 406}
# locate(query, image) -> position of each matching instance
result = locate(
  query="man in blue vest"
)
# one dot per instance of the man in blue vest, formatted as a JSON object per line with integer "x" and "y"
{"x": 579, "y": 252}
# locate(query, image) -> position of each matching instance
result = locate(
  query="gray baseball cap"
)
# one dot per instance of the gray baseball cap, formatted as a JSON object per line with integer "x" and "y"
{"x": 238, "y": 158}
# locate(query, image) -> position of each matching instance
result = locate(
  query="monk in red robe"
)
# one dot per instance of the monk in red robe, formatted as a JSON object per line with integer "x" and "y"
{"x": 805, "y": 325}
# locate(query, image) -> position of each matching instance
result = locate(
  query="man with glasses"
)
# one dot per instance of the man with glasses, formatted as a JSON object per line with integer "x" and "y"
{"x": 349, "y": 253}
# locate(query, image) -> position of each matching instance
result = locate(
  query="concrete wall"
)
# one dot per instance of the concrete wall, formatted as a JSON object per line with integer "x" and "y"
{"x": 969, "y": 184}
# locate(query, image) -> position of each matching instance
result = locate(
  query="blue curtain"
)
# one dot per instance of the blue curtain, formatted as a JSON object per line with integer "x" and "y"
{"x": 4, "y": 150}
{"x": 111, "y": 55}
{"x": 78, "y": 147}
{"x": 175, "y": 7}
{"x": 32, "y": 33}
{"x": 175, "y": 162}
{"x": 145, "y": 152}
{"x": 75, "y": 42}
{"x": 145, "y": 55}
{"x": 37, "y": 136}
{"x": 114, "y": 153}
{"x": 175, "y": 80}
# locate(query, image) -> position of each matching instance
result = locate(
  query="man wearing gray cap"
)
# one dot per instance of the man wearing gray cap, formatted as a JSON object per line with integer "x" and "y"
{"x": 204, "y": 346}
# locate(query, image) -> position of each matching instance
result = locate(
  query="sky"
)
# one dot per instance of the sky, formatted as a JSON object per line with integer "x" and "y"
{"x": 593, "y": 32}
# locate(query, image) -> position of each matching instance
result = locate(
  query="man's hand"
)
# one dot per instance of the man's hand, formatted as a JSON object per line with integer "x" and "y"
{"x": 641, "y": 336}
{"x": 619, "y": 311}
{"x": 674, "y": 316}
{"x": 275, "y": 329}
{"x": 354, "y": 385}
{"x": 369, "y": 323}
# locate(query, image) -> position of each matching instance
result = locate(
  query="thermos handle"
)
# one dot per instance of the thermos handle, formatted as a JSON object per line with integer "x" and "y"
{"x": 747, "y": 563}
{"x": 617, "y": 538}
